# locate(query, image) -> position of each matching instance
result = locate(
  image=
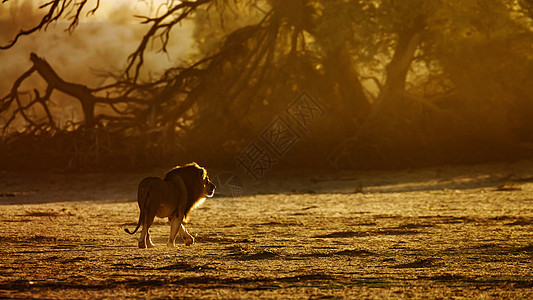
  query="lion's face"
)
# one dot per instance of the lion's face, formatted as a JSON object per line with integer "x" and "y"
{"x": 209, "y": 187}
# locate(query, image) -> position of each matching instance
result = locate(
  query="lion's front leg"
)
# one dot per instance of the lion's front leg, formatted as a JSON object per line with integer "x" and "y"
{"x": 187, "y": 238}
{"x": 175, "y": 223}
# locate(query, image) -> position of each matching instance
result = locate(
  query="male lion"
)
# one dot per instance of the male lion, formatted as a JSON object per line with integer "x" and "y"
{"x": 183, "y": 189}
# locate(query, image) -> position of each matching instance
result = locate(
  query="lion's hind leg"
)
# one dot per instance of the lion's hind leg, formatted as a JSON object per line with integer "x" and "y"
{"x": 150, "y": 211}
{"x": 148, "y": 240}
{"x": 145, "y": 241}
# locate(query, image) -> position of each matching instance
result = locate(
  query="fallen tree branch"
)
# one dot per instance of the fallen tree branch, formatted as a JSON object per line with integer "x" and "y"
{"x": 85, "y": 95}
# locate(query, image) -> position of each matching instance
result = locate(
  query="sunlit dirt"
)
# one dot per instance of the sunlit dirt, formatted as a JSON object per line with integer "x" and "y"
{"x": 444, "y": 232}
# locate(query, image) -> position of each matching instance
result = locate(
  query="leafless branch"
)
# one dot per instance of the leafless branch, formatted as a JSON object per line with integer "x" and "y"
{"x": 57, "y": 9}
{"x": 182, "y": 10}
{"x": 86, "y": 96}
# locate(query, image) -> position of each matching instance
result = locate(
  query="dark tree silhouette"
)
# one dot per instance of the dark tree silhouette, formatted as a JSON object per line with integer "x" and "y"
{"x": 401, "y": 81}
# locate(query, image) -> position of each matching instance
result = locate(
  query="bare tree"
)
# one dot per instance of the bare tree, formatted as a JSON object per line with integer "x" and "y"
{"x": 332, "y": 49}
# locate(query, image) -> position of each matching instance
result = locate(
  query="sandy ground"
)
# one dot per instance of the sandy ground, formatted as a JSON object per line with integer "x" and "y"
{"x": 447, "y": 232}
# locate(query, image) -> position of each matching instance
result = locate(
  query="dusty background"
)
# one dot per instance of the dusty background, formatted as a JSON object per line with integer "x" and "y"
{"x": 443, "y": 232}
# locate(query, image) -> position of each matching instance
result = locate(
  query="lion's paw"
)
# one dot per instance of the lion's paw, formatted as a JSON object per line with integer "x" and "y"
{"x": 189, "y": 241}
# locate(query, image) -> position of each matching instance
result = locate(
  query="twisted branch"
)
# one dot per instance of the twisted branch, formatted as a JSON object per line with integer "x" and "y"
{"x": 56, "y": 9}
{"x": 86, "y": 96}
{"x": 184, "y": 9}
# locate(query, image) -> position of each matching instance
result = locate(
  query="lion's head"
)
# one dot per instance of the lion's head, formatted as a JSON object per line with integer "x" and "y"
{"x": 198, "y": 184}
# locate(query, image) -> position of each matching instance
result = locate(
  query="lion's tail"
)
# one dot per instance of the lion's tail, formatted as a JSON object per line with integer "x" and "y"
{"x": 138, "y": 225}
{"x": 142, "y": 195}
{"x": 134, "y": 231}
{"x": 136, "y": 228}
